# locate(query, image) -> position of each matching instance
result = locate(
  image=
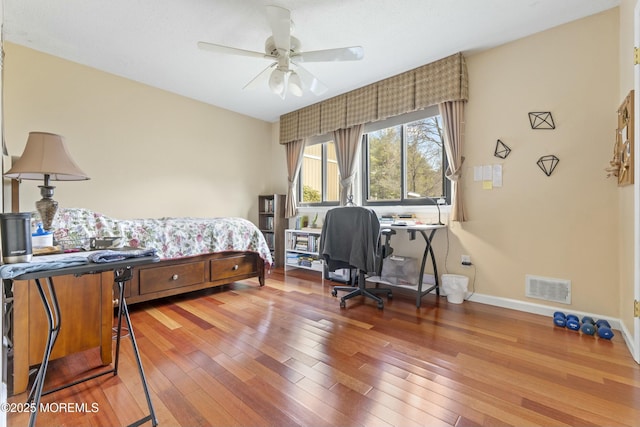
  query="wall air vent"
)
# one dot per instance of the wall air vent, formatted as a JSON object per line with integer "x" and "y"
{"x": 557, "y": 290}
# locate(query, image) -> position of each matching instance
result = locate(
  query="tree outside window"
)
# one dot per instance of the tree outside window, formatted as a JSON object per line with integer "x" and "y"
{"x": 405, "y": 163}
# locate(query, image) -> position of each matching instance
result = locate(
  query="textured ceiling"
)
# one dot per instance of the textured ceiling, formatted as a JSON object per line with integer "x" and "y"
{"x": 154, "y": 41}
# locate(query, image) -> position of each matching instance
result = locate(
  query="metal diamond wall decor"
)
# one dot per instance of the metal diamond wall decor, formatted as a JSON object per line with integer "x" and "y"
{"x": 541, "y": 120}
{"x": 502, "y": 150}
{"x": 548, "y": 164}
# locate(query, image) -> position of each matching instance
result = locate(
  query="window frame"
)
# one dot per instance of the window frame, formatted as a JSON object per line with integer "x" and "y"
{"x": 362, "y": 175}
{"x": 402, "y": 120}
{"x": 324, "y": 140}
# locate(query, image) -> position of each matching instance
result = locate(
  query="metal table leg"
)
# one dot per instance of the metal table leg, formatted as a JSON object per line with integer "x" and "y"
{"x": 121, "y": 277}
{"x": 428, "y": 251}
{"x": 52, "y": 311}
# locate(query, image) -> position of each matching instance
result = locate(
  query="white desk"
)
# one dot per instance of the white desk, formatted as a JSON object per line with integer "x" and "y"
{"x": 427, "y": 231}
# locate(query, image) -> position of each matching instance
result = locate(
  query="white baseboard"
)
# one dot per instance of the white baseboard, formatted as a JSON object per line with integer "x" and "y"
{"x": 546, "y": 310}
{"x": 628, "y": 338}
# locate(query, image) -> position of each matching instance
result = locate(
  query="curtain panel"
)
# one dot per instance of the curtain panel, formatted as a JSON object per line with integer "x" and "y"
{"x": 295, "y": 152}
{"x": 431, "y": 84}
{"x": 347, "y": 142}
{"x": 452, "y": 113}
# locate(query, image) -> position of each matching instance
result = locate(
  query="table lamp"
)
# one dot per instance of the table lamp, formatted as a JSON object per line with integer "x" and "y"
{"x": 45, "y": 157}
{"x": 435, "y": 202}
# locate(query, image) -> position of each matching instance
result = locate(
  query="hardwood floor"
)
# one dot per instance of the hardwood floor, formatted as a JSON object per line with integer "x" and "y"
{"x": 287, "y": 355}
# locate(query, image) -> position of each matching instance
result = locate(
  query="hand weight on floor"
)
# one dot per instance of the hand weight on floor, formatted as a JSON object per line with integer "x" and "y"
{"x": 559, "y": 319}
{"x": 573, "y": 322}
{"x": 588, "y": 319}
{"x": 604, "y": 329}
{"x": 588, "y": 328}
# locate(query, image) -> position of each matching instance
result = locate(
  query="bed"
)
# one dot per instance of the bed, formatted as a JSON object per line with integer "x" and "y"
{"x": 195, "y": 253}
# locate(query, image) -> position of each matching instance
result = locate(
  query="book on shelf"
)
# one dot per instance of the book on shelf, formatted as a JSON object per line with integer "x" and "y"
{"x": 303, "y": 242}
{"x": 306, "y": 260}
{"x": 270, "y": 239}
{"x": 268, "y": 223}
{"x": 268, "y": 206}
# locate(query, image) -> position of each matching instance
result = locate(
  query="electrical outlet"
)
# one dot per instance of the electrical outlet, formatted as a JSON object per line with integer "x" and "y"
{"x": 466, "y": 259}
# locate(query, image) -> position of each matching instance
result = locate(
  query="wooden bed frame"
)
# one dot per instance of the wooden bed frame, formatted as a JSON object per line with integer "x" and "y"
{"x": 177, "y": 276}
{"x": 89, "y": 303}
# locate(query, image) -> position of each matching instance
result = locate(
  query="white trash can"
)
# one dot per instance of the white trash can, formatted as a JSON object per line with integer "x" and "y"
{"x": 454, "y": 286}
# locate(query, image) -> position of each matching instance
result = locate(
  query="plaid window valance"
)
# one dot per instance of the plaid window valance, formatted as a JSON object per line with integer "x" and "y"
{"x": 422, "y": 87}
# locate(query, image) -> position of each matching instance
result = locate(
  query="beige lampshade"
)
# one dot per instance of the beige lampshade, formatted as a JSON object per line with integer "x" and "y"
{"x": 46, "y": 154}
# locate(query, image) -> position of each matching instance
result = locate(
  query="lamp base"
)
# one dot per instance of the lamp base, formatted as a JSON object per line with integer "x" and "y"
{"x": 47, "y": 207}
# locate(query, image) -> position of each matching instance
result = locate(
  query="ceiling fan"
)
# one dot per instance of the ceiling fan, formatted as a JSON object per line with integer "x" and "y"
{"x": 286, "y": 74}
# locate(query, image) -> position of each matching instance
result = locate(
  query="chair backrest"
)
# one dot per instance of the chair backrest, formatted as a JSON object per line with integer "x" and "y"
{"x": 350, "y": 238}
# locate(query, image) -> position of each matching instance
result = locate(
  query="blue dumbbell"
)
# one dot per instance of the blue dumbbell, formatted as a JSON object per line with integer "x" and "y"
{"x": 573, "y": 323}
{"x": 588, "y": 328}
{"x": 559, "y": 319}
{"x": 604, "y": 329}
{"x": 588, "y": 319}
{"x": 605, "y": 332}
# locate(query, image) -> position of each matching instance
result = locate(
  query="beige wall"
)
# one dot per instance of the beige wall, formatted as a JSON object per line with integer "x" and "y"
{"x": 625, "y": 200}
{"x": 148, "y": 152}
{"x": 564, "y": 226}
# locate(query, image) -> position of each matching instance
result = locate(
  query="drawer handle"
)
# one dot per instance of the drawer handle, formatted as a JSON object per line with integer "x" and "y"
{"x": 235, "y": 267}
{"x": 174, "y": 277}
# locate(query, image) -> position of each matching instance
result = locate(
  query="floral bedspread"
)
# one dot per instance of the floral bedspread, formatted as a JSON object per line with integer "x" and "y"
{"x": 171, "y": 237}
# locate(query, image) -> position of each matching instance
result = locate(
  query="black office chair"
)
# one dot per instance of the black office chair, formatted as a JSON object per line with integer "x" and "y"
{"x": 351, "y": 239}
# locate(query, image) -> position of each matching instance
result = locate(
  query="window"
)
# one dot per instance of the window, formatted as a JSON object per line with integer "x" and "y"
{"x": 405, "y": 163}
{"x": 319, "y": 175}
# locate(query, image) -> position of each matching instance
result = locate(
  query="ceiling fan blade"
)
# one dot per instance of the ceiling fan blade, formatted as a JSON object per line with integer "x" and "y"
{"x": 280, "y": 22}
{"x": 262, "y": 78}
{"x": 353, "y": 53}
{"x": 309, "y": 80}
{"x": 212, "y": 47}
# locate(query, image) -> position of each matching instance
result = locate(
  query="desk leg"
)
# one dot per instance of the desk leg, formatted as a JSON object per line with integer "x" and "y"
{"x": 435, "y": 266}
{"x": 52, "y": 310}
{"x": 124, "y": 310}
{"x": 421, "y": 276}
{"x": 428, "y": 251}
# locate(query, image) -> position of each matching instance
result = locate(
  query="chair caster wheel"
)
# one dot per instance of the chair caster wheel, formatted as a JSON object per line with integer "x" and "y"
{"x": 343, "y": 304}
{"x": 380, "y": 305}
{"x": 389, "y": 295}
{"x": 334, "y": 293}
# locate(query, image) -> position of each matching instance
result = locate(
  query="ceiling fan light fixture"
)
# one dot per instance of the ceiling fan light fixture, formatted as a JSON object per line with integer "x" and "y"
{"x": 284, "y": 50}
{"x": 295, "y": 84}
{"x": 277, "y": 82}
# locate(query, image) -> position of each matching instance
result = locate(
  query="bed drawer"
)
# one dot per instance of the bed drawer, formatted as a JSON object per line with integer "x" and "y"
{"x": 223, "y": 268}
{"x": 171, "y": 277}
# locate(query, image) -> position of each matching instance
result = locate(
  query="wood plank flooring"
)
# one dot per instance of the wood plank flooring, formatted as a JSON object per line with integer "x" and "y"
{"x": 287, "y": 355}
